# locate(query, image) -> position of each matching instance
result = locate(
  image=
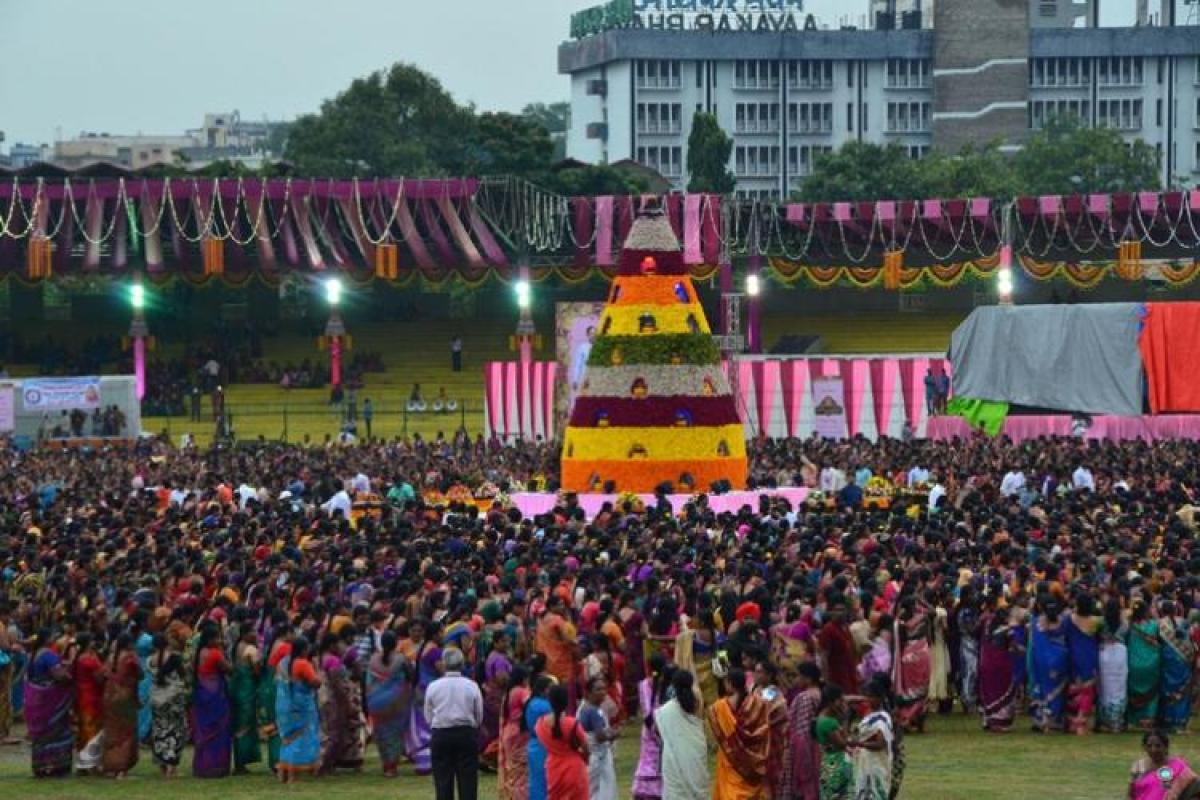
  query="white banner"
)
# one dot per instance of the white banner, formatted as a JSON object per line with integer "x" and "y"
{"x": 8, "y": 411}
{"x": 57, "y": 394}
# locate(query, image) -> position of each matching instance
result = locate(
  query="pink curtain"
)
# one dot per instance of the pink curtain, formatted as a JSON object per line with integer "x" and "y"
{"x": 884, "y": 373}
{"x": 794, "y": 376}
{"x": 912, "y": 382}
{"x": 855, "y": 374}
{"x": 512, "y": 397}
{"x": 494, "y": 381}
{"x": 583, "y": 231}
{"x": 710, "y": 228}
{"x": 691, "y": 229}
{"x": 604, "y": 231}
{"x": 766, "y": 383}
{"x": 745, "y": 379}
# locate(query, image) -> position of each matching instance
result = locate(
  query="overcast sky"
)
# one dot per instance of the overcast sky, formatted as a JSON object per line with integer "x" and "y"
{"x": 129, "y": 66}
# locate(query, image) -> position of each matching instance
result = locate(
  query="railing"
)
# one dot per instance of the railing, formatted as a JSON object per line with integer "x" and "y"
{"x": 667, "y": 82}
{"x": 757, "y": 127}
{"x": 665, "y": 128}
{"x": 307, "y": 420}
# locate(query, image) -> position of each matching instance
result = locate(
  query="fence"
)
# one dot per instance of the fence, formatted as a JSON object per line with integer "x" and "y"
{"x": 315, "y": 421}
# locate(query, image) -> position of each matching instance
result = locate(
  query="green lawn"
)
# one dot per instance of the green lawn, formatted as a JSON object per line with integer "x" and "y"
{"x": 954, "y": 761}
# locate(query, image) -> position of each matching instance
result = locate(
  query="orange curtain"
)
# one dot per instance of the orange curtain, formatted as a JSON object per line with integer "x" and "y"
{"x": 1170, "y": 346}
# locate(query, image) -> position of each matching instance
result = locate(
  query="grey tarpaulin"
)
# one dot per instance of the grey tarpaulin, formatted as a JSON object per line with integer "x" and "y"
{"x": 1063, "y": 357}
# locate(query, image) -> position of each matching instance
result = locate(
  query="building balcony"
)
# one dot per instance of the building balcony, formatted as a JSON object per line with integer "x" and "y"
{"x": 667, "y": 84}
{"x": 756, "y": 127}
{"x": 659, "y": 128}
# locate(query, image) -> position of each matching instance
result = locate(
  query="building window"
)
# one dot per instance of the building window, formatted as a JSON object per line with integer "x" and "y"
{"x": 1196, "y": 160}
{"x": 659, "y": 118}
{"x": 1197, "y": 122}
{"x": 1042, "y": 111}
{"x": 668, "y": 161}
{"x": 914, "y": 117}
{"x": 810, "y": 74}
{"x": 757, "y": 74}
{"x": 756, "y": 161}
{"x": 810, "y": 118}
{"x": 850, "y": 117}
{"x": 657, "y": 74}
{"x": 1123, "y": 115}
{"x": 918, "y": 151}
{"x": 866, "y": 117}
{"x": 802, "y": 159}
{"x": 756, "y": 118}
{"x": 1047, "y": 73}
{"x": 1120, "y": 71}
{"x": 908, "y": 73}
{"x": 1048, "y": 8}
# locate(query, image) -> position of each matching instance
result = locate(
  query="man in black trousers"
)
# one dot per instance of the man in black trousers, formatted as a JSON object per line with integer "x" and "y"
{"x": 454, "y": 708}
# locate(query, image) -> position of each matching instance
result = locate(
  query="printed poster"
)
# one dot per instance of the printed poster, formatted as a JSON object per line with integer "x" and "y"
{"x": 829, "y": 408}
{"x": 575, "y": 329}
{"x": 8, "y": 414}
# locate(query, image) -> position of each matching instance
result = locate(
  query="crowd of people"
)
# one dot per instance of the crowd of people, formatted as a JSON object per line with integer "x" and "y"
{"x": 224, "y": 599}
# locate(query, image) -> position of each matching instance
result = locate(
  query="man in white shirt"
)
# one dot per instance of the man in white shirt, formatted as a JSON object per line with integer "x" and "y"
{"x": 1013, "y": 483}
{"x": 936, "y": 493}
{"x": 454, "y": 708}
{"x": 917, "y": 475}
{"x": 1082, "y": 479}
{"x": 361, "y": 483}
{"x": 833, "y": 480}
{"x": 339, "y": 502}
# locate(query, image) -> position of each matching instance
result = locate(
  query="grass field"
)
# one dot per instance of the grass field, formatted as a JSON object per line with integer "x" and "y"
{"x": 955, "y": 760}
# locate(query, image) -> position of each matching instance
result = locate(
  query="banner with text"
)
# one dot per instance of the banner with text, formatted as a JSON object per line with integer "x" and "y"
{"x": 58, "y": 394}
{"x": 829, "y": 408}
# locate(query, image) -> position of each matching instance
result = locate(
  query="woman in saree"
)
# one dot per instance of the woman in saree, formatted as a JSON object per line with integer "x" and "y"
{"x": 791, "y": 645}
{"x": 89, "y": 676}
{"x": 537, "y": 707}
{"x": 874, "y": 742}
{"x": 566, "y": 750}
{"x": 1082, "y": 629}
{"x": 1178, "y": 661}
{"x": 278, "y": 646}
{"x": 1114, "y": 670}
{"x": 212, "y": 719}
{"x": 997, "y": 688}
{"x": 802, "y": 714}
{"x": 143, "y": 645}
{"x": 602, "y": 663}
{"x": 837, "y": 775}
{"x": 695, "y": 648}
{"x": 652, "y": 691}
{"x": 941, "y": 661}
{"x": 168, "y": 708}
{"x": 966, "y": 617}
{"x": 512, "y": 774}
{"x": 332, "y": 702}
{"x": 633, "y": 627}
{"x": 684, "y": 744}
{"x": 779, "y": 751}
{"x": 422, "y": 650}
{"x": 602, "y": 771}
{"x": 389, "y": 694}
{"x": 296, "y": 713}
{"x": 47, "y": 706}
{"x": 739, "y": 724}
{"x": 243, "y": 694}
{"x": 1157, "y": 775}
{"x": 911, "y": 669}
{"x": 1049, "y": 664}
{"x": 346, "y": 747}
{"x": 120, "y": 751}
{"x": 1145, "y": 659}
{"x": 495, "y": 672}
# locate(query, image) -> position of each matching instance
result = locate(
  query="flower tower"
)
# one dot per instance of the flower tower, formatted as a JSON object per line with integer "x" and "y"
{"x": 654, "y": 405}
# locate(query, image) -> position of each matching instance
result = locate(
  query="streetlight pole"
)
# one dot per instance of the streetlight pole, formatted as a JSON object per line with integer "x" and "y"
{"x": 335, "y": 331}
{"x": 139, "y": 332}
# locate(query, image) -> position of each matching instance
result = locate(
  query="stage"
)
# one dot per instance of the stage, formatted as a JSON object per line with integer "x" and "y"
{"x": 534, "y": 503}
{"x": 1110, "y": 428}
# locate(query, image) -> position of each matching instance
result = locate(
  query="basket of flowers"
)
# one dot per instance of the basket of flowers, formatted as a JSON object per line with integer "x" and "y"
{"x": 815, "y": 501}
{"x": 486, "y": 491}
{"x": 634, "y": 500}
{"x": 458, "y": 493}
{"x": 877, "y": 494}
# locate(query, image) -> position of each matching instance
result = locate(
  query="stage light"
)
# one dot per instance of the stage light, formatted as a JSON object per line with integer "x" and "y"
{"x": 1004, "y": 283}
{"x": 137, "y": 296}
{"x": 524, "y": 294}
{"x": 752, "y": 286}
{"x": 333, "y": 292}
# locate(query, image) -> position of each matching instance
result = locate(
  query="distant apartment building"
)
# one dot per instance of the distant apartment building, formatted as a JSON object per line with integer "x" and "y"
{"x": 222, "y": 137}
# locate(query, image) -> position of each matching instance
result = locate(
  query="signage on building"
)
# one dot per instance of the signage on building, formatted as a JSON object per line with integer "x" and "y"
{"x": 713, "y": 16}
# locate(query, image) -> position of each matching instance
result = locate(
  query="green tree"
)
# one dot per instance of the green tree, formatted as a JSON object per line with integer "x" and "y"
{"x": 1066, "y": 157}
{"x": 972, "y": 172}
{"x": 556, "y": 119}
{"x": 507, "y": 144}
{"x": 394, "y": 122}
{"x": 709, "y": 149}
{"x": 593, "y": 180}
{"x": 863, "y": 171}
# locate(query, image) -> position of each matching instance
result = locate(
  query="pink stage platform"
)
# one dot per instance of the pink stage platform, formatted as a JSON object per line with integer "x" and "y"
{"x": 1019, "y": 429}
{"x": 532, "y": 503}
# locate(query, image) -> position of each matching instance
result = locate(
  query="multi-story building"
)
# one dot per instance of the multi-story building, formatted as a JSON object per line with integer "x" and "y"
{"x": 984, "y": 70}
